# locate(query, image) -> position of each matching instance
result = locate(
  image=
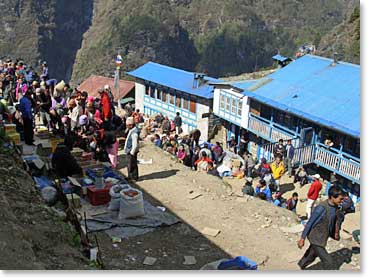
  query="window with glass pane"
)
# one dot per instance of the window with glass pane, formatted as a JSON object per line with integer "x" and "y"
{"x": 185, "y": 103}
{"x": 164, "y": 96}
{"x": 222, "y": 101}
{"x": 255, "y": 107}
{"x": 146, "y": 90}
{"x": 239, "y": 110}
{"x": 234, "y": 106}
{"x": 152, "y": 92}
{"x": 192, "y": 105}
{"x": 172, "y": 98}
{"x": 265, "y": 111}
{"x": 228, "y": 104}
{"x": 159, "y": 94}
{"x": 178, "y": 100}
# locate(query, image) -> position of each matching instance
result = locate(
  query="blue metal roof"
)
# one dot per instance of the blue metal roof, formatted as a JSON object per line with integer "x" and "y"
{"x": 245, "y": 85}
{"x": 280, "y": 58}
{"x": 312, "y": 88}
{"x": 174, "y": 78}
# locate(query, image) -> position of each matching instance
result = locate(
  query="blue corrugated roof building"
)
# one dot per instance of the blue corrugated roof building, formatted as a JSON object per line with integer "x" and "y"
{"x": 177, "y": 79}
{"x": 280, "y": 58}
{"x": 314, "y": 88}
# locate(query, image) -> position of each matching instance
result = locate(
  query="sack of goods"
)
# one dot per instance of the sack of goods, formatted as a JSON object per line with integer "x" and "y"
{"x": 131, "y": 203}
{"x": 116, "y": 196}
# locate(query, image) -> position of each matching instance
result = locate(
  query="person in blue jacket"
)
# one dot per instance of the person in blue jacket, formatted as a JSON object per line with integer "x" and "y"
{"x": 264, "y": 189}
{"x": 325, "y": 222}
{"x": 25, "y": 106}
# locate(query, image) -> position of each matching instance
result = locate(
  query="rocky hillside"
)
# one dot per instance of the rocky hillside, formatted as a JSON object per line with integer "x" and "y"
{"x": 52, "y": 30}
{"x": 32, "y": 235}
{"x": 221, "y": 38}
{"x": 344, "y": 39}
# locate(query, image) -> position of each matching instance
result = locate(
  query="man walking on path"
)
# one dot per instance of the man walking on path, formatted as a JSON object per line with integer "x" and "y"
{"x": 319, "y": 228}
{"x": 178, "y": 123}
{"x": 132, "y": 149}
{"x": 313, "y": 194}
{"x": 289, "y": 153}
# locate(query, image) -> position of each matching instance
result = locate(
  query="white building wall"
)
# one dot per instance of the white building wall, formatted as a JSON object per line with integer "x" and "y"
{"x": 202, "y": 123}
{"x": 216, "y": 101}
{"x": 245, "y": 112}
{"x": 139, "y": 96}
{"x": 245, "y": 107}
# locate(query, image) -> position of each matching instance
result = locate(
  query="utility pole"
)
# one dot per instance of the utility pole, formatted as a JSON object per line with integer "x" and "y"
{"x": 117, "y": 77}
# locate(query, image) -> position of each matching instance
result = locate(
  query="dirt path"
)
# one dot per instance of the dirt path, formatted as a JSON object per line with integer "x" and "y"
{"x": 243, "y": 225}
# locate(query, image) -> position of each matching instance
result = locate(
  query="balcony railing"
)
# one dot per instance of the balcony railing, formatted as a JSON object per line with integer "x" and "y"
{"x": 338, "y": 162}
{"x": 270, "y": 130}
{"x": 329, "y": 158}
{"x": 304, "y": 155}
{"x": 267, "y": 150}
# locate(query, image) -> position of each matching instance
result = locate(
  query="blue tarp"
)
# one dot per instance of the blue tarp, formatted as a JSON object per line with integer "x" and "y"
{"x": 312, "y": 88}
{"x": 174, "y": 78}
{"x": 280, "y": 58}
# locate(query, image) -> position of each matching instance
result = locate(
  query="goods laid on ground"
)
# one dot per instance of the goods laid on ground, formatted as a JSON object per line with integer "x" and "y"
{"x": 131, "y": 203}
{"x": 115, "y": 194}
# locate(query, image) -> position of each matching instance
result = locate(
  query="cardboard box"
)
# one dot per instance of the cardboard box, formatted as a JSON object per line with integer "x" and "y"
{"x": 10, "y": 128}
{"x": 44, "y": 150}
{"x": 15, "y": 137}
{"x": 54, "y": 142}
{"x": 77, "y": 152}
{"x": 74, "y": 200}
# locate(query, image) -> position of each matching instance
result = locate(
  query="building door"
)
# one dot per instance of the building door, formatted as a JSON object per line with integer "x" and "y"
{"x": 307, "y": 136}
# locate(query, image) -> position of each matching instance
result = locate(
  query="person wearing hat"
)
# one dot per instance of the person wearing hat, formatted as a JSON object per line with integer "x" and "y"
{"x": 132, "y": 148}
{"x": 248, "y": 188}
{"x": 25, "y": 106}
{"x": 232, "y": 144}
{"x": 313, "y": 194}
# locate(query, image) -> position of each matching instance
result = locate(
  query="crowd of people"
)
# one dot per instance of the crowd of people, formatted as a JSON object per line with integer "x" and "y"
{"x": 92, "y": 124}
{"x": 83, "y": 121}
{"x": 210, "y": 158}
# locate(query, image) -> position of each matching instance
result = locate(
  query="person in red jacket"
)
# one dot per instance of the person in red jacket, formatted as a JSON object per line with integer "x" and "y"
{"x": 106, "y": 108}
{"x": 313, "y": 194}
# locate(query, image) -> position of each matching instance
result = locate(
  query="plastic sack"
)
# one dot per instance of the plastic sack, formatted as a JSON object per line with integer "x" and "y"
{"x": 115, "y": 190}
{"x": 42, "y": 182}
{"x": 49, "y": 194}
{"x": 238, "y": 263}
{"x": 131, "y": 206}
